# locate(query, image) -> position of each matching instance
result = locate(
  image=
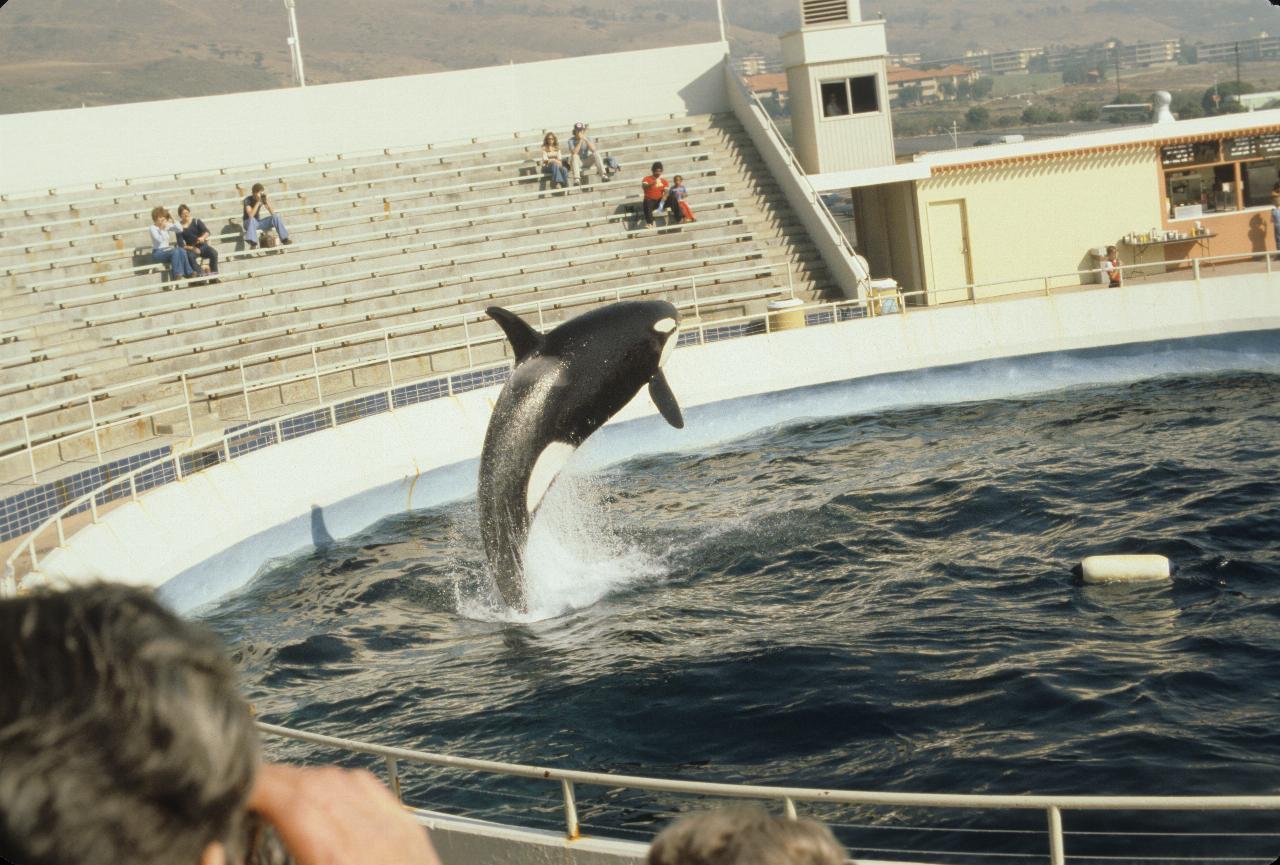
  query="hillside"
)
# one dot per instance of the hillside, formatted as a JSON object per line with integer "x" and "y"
{"x": 67, "y": 53}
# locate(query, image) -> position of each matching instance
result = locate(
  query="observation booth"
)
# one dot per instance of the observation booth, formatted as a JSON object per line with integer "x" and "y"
{"x": 982, "y": 222}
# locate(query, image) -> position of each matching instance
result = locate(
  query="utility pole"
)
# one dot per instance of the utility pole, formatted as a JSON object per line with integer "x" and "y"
{"x": 1237, "y": 66}
{"x": 1117, "y": 69}
{"x": 295, "y": 46}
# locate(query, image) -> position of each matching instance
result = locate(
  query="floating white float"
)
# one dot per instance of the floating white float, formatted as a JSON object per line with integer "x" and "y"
{"x": 1124, "y": 569}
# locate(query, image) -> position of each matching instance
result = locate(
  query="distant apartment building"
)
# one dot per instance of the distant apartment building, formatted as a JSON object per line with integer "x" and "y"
{"x": 1259, "y": 48}
{"x": 1143, "y": 54}
{"x": 930, "y": 81}
{"x": 909, "y": 59}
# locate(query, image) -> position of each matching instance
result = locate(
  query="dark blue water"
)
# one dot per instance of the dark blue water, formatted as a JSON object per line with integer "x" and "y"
{"x": 879, "y": 601}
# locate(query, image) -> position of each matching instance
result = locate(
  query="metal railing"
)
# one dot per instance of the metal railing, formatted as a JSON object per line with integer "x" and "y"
{"x": 228, "y": 446}
{"x": 794, "y": 164}
{"x": 1053, "y": 806}
{"x": 178, "y": 407}
{"x": 815, "y": 314}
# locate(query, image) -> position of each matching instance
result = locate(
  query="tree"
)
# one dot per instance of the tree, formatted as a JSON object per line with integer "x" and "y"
{"x": 977, "y": 117}
{"x": 982, "y": 88}
{"x": 1084, "y": 112}
{"x": 1223, "y": 105}
{"x": 910, "y": 94}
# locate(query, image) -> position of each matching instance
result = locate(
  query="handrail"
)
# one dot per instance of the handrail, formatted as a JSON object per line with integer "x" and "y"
{"x": 967, "y": 293}
{"x": 378, "y": 334}
{"x": 27, "y": 547}
{"x": 1053, "y": 805}
{"x": 874, "y": 307}
{"x": 814, "y": 196}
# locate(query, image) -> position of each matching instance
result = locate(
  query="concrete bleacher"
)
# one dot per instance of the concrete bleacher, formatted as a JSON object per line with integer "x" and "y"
{"x": 386, "y": 241}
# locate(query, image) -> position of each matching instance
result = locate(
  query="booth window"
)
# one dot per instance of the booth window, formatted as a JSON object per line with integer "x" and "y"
{"x": 860, "y": 95}
{"x": 1259, "y": 180}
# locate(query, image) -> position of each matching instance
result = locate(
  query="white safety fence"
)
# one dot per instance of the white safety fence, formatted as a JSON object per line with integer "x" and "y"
{"x": 909, "y": 818}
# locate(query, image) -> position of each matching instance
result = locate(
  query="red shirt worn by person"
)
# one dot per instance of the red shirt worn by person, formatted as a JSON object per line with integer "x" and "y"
{"x": 655, "y": 187}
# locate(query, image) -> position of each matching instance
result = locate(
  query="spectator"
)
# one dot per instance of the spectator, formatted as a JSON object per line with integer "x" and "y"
{"x": 123, "y": 740}
{"x": 1111, "y": 267}
{"x": 181, "y": 262}
{"x": 583, "y": 149}
{"x": 259, "y": 215}
{"x": 655, "y": 190}
{"x": 745, "y": 835}
{"x": 677, "y": 201}
{"x": 195, "y": 237}
{"x": 1275, "y": 220}
{"x": 552, "y": 164}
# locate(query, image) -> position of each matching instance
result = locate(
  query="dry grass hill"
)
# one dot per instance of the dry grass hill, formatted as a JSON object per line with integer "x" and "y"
{"x": 67, "y": 53}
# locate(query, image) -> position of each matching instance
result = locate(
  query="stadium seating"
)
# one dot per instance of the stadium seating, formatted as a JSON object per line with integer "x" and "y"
{"x": 392, "y": 252}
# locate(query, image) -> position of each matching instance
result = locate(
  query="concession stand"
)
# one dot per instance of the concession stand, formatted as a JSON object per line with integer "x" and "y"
{"x": 1219, "y": 187}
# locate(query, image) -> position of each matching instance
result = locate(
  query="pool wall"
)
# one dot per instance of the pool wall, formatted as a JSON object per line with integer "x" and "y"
{"x": 210, "y": 533}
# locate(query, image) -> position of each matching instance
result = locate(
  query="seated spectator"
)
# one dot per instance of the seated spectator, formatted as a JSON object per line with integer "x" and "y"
{"x": 552, "y": 164}
{"x": 124, "y": 740}
{"x": 258, "y": 215}
{"x": 745, "y": 835}
{"x": 655, "y": 190}
{"x": 195, "y": 237}
{"x": 677, "y": 200}
{"x": 581, "y": 150}
{"x": 181, "y": 263}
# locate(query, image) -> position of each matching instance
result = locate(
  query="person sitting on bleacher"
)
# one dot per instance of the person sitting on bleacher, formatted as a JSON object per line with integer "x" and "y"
{"x": 181, "y": 262}
{"x": 258, "y": 215}
{"x": 195, "y": 237}
{"x": 552, "y": 164}
{"x": 581, "y": 150}
{"x": 655, "y": 192}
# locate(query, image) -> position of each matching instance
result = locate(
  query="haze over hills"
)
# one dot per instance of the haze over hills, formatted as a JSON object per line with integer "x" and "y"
{"x": 67, "y": 53}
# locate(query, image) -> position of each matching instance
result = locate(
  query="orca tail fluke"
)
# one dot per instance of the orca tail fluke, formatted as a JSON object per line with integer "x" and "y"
{"x": 523, "y": 338}
{"x": 665, "y": 400}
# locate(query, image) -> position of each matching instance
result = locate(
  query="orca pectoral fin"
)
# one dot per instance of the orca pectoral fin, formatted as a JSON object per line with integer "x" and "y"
{"x": 665, "y": 400}
{"x": 524, "y": 339}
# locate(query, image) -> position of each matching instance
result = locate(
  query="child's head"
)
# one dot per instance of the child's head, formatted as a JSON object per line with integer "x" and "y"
{"x": 677, "y": 180}
{"x": 1111, "y": 252}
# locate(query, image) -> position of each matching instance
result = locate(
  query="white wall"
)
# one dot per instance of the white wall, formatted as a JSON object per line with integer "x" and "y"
{"x": 77, "y": 147}
{"x": 261, "y": 505}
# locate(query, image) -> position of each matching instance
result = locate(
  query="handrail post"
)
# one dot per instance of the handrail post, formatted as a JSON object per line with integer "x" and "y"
{"x": 393, "y": 778}
{"x": 693, "y": 280}
{"x": 789, "y": 806}
{"x": 31, "y": 457}
{"x": 391, "y": 372}
{"x": 186, "y": 398}
{"x": 570, "y": 810}
{"x": 1057, "y": 852}
{"x": 244, "y": 391}
{"x": 93, "y": 419}
{"x": 315, "y": 371}
{"x": 1195, "y": 266}
{"x": 466, "y": 336}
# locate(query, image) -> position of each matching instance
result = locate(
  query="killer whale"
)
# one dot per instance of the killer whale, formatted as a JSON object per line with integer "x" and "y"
{"x": 566, "y": 384}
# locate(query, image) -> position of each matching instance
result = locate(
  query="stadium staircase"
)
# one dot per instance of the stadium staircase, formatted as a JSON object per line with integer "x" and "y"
{"x": 390, "y": 252}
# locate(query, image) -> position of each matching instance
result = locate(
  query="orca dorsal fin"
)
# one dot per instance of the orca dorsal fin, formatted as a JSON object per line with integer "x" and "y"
{"x": 524, "y": 339}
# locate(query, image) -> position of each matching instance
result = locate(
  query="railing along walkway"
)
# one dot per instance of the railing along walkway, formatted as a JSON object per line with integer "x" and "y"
{"x": 788, "y": 798}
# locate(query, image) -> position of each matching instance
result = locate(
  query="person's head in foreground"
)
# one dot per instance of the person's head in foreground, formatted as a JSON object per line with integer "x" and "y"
{"x": 745, "y": 835}
{"x": 122, "y": 735}
{"x": 124, "y": 740}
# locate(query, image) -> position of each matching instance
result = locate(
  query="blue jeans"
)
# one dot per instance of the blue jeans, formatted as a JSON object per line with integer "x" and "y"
{"x": 179, "y": 264}
{"x": 253, "y": 226}
{"x": 559, "y": 174}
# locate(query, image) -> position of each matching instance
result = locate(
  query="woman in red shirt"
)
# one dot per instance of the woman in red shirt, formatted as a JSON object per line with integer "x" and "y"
{"x": 655, "y": 189}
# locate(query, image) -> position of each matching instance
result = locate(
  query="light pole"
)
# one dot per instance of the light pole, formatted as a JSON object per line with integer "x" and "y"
{"x": 295, "y": 46}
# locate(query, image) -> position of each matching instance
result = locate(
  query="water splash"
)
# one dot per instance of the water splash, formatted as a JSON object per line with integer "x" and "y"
{"x": 576, "y": 555}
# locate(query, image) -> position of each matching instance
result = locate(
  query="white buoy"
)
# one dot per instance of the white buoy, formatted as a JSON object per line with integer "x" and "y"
{"x": 1124, "y": 569}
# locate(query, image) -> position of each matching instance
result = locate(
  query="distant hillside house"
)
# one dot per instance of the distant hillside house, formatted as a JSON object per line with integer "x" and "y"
{"x": 769, "y": 85}
{"x": 935, "y": 84}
